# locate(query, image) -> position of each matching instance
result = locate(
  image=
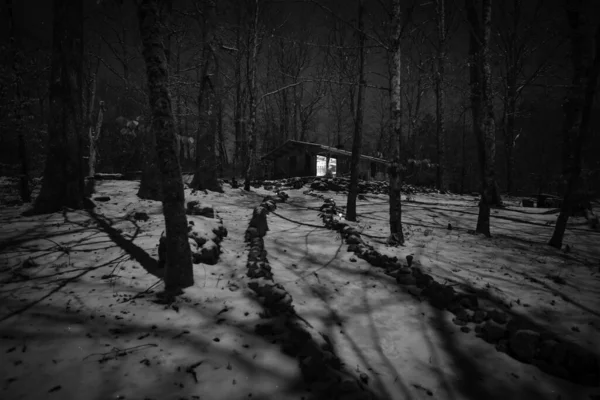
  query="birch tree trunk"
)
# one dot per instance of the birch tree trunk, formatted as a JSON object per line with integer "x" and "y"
{"x": 63, "y": 184}
{"x": 358, "y": 121}
{"x": 395, "y": 172}
{"x": 152, "y": 15}
{"x": 585, "y": 58}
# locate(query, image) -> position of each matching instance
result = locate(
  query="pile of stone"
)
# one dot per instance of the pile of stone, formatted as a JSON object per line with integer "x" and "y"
{"x": 318, "y": 363}
{"x": 205, "y": 232}
{"x": 343, "y": 185}
{"x": 515, "y": 336}
{"x": 291, "y": 183}
{"x": 323, "y": 184}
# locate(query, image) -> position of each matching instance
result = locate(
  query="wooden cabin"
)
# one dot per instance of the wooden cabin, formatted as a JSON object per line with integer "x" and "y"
{"x": 296, "y": 158}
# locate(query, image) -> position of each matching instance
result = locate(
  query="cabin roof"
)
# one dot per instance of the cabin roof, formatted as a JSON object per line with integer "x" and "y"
{"x": 314, "y": 148}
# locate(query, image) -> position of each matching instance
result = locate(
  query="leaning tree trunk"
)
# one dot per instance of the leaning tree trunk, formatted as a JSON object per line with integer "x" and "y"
{"x": 358, "y": 121}
{"x": 577, "y": 109}
{"x": 396, "y": 233}
{"x": 63, "y": 184}
{"x": 152, "y": 15}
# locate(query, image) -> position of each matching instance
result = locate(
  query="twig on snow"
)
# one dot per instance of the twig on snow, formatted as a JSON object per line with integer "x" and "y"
{"x": 119, "y": 352}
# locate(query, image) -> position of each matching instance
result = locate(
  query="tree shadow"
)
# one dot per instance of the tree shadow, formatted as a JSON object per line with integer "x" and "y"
{"x": 61, "y": 284}
{"x": 137, "y": 253}
{"x": 170, "y": 336}
{"x": 471, "y": 377}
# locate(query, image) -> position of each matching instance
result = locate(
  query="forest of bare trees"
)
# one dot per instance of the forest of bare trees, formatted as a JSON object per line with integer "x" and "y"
{"x": 483, "y": 96}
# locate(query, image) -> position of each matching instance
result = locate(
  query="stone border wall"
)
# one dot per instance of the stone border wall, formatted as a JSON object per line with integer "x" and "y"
{"x": 318, "y": 362}
{"x": 511, "y": 334}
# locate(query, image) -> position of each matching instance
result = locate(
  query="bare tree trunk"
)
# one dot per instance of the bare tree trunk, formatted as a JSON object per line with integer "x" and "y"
{"x": 223, "y": 159}
{"x": 178, "y": 112}
{"x": 512, "y": 61}
{"x": 358, "y": 121}
{"x": 237, "y": 111}
{"x": 509, "y": 132}
{"x": 577, "y": 108}
{"x": 483, "y": 108}
{"x": 488, "y": 128}
{"x": 205, "y": 174}
{"x": 63, "y": 184}
{"x": 152, "y": 15}
{"x": 249, "y": 170}
{"x": 440, "y": 94}
{"x": 150, "y": 187}
{"x": 296, "y": 116}
{"x": 24, "y": 190}
{"x": 285, "y": 116}
{"x": 463, "y": 153}
{"x": 94, "y": 136}
{"x": 396, "y": 233}
{"x": 339, "y": 118}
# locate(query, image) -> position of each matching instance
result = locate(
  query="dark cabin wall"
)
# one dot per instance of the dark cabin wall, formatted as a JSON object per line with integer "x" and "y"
{"x": 305, "y": 164}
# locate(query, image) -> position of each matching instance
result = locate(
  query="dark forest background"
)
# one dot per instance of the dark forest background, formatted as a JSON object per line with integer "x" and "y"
{"x": 312, "y": 49}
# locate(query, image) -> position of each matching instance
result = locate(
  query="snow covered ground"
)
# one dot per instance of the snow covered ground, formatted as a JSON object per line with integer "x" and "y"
{"x": 78, "y": 320}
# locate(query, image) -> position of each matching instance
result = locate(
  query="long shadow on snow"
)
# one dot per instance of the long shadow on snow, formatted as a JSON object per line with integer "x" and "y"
{"x": 100, "y": 330}
{"x": 331, "y": 320}
{"x": 469, "y": 375}
{"x": 136, "y": 252}
{"x": 366, "y": 309}
{"x": 512, "y": 219}
{"x": 468, "y": 368}
{"x": 480, "y": 273}
{"x": 61, "y": 283}
{"x": 27, "y": 236}
{"x": 377, "y": 342}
